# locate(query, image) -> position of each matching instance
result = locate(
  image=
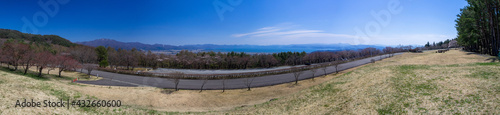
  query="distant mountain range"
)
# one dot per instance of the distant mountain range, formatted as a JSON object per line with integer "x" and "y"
{"x": 127, "y": 45}
{"x": 227, "y": 48}
{"x": 172, "y": 49}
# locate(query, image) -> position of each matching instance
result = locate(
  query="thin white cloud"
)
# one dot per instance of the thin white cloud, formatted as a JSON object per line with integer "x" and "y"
{"x": 290, "y": 34}
{"x": 259, "y": 31}
{"x": 319, "y": 35}
{"x": 293, "y": 34}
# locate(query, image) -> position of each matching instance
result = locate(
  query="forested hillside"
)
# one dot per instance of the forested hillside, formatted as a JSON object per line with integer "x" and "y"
{"x": 37, "y": 38}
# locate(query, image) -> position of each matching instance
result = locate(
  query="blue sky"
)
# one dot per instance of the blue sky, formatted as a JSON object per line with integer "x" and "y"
{"x": 257, "y": 22}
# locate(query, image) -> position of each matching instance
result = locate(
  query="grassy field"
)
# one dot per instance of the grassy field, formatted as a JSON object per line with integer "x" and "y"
{"x": 432, "y": 83}
{"x": 136, "y": 99}
{"x": 453, "y": 82}
{"x": 15, "y": 86}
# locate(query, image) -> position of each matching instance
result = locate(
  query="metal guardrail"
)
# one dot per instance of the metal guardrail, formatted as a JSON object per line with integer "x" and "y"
{"x": 221, "y": 76}
{"x": 230, "y": 75}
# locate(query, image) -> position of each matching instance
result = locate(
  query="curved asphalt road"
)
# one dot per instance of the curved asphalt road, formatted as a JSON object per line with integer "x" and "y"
{"x": 114, "y": 79}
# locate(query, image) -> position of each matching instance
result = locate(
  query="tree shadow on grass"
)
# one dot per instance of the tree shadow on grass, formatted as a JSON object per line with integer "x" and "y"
{"x": 30, "y": 75}
{"x": 491, "y": 59}
{"x": 62, "y": 77}
{"x": 469, "y": 53}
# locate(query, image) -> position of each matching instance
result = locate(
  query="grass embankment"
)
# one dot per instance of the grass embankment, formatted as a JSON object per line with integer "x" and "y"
{"x": 453, "y": 82}
{"x": 136, "y": 99}
{"x": 14, "y": 85}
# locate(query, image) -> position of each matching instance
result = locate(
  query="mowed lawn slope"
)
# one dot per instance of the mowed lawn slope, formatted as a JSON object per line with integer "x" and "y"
{"x": 447, "y": 83}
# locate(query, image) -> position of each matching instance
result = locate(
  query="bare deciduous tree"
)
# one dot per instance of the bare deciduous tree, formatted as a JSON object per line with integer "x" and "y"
{"x": 324, "y": 68}
{"x": 2, "y": 56}
{"x": 223, "y": 84}
{"x": 28, "y": 60}
{"x": 50, "y": 68}
{"x": 336, "y": 64}
{"x": 296, "y": 74}
{"x": 85, "y": 55}
{"x": 43, "y": 60}
{"x": 248, "y": 82}
{"x": 176, "y": 78}
{"x": 314, "y": 70}
{"x": 176, "y": 82}
{"x": 14, "y": 53}
{"x": 89, "y": 68}
{"x": 65, "y": 63}
{"x": 205, "y": 80}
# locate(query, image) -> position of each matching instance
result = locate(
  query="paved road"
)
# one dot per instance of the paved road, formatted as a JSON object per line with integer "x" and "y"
{"x": 221, "y": 71}
{"x": 114, "y": 79}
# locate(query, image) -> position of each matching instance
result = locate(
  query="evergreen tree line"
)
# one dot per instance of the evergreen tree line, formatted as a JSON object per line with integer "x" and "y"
{"x": 441, "y": 44}
{"x": 478, "y": 26}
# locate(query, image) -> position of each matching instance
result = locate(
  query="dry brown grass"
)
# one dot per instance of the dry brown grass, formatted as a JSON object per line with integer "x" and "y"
{"x": 409, "y": 83}
{"x": 184, "y": 100}
{"x": 405, "y": 84}
{"x": 17, "y": 87}
{"x": 193, "y": 100}
{"x": 432, "y": 58}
